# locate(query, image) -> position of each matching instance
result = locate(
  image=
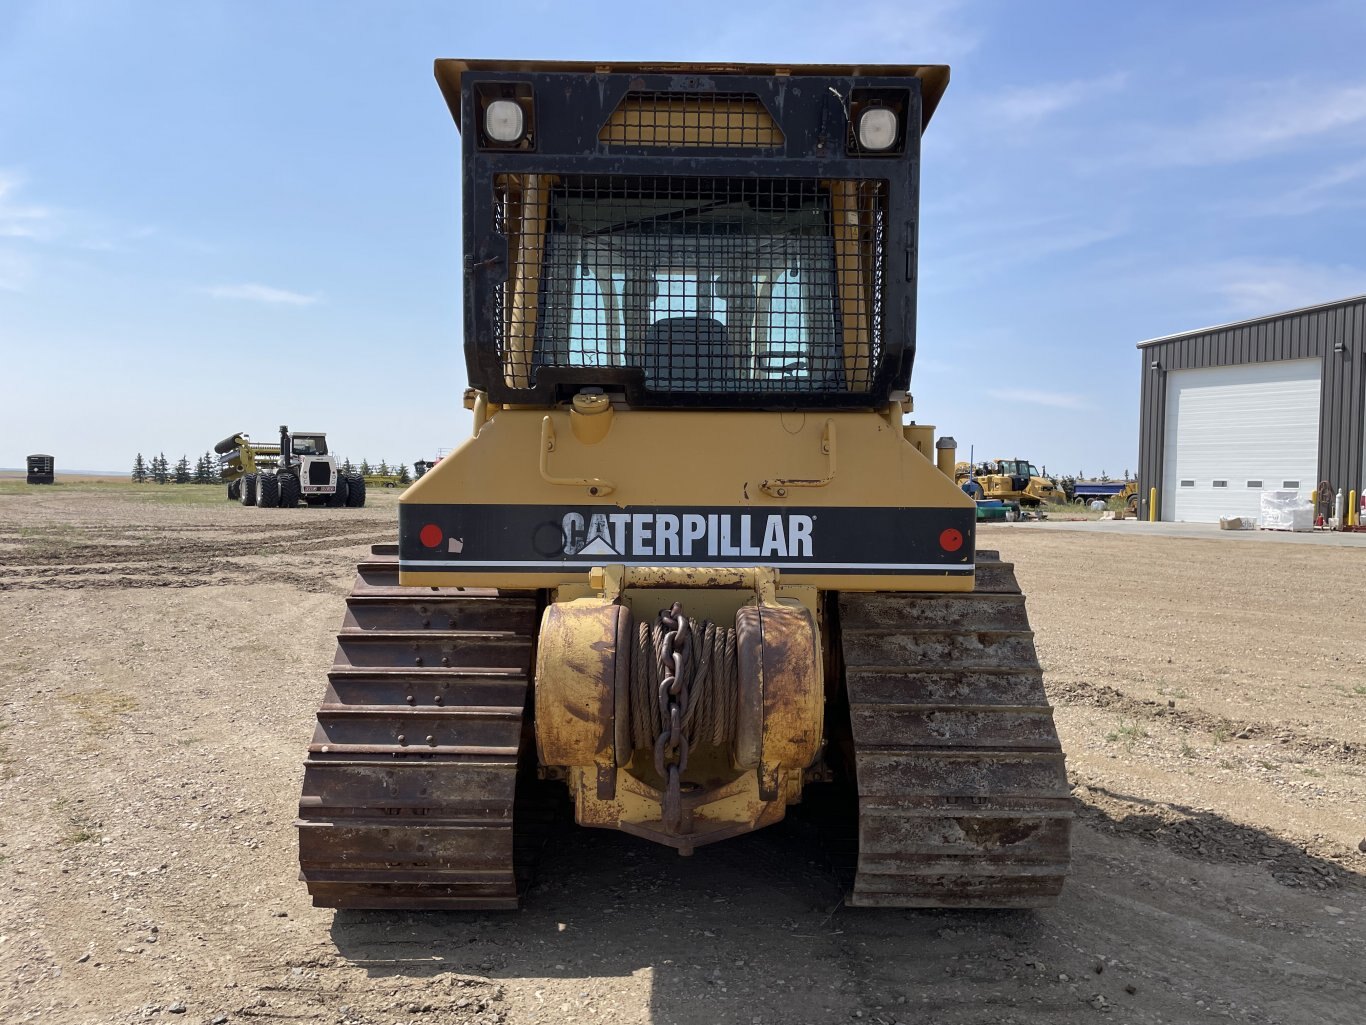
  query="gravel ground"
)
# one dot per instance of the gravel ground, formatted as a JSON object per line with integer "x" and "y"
{"x": 160, "y": 661}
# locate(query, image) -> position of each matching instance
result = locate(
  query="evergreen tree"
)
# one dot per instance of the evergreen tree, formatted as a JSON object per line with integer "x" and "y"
{"x": 160, "y": 473}
{"x": 383, "y": 470}
{"x": 211, "y": 471}
{"x": 139, "y": 470}
{"x": 203, "y": 469}
{"x": 182, "y": 471}
{"x": 403, "y": 477}
{"x": 347, "y": 468}
{"x": 364, "y": 468}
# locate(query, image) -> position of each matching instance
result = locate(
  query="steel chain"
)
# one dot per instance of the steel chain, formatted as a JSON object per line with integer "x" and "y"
{"x": 671, "y": 746}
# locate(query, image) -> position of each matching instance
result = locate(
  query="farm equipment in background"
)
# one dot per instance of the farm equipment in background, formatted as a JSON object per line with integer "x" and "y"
{"x": 1084, "y": 492}
{"x": 385, "y": 480}
{"x": 41, "y": 469}
{"x": 693, "y": 564}
{"x": 1010, "y": 480}
{"x": 298, "y": 467}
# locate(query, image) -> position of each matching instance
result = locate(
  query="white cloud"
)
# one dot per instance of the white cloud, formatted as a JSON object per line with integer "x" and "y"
{"x": 1031, "y": 104}
{"x": 1252, "y": 288}
{"x": 1258, "y": 120}
{"x": 1322, "y": 191}
{"x": 989, "y": 247}
{"x": 262, "y": 294}
{"x": 20, "y": 220}
{"x": 1034, "y": 397}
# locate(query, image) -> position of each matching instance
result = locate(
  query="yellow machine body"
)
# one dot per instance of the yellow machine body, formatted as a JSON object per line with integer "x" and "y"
{"x": 693, "y": 559}
{"x": 1011, "y": 480}
{"x": 775, "y": 475}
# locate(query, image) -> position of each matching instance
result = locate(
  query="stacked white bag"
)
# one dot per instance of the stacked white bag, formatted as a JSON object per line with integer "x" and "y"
{"x": 1285, "y": 510}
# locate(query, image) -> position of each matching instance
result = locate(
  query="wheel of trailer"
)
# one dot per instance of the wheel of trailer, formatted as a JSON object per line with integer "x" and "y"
{"x": 1079, "y": 501}
{"x": 289, "y": 491}
{"x": 234, "y": 490}
{"x": 1131, "y": 504}
{"x": 355, "y": 491}
{"x": 268, "y": 491}
{"x": 247, "y": 493}
{"x": 338, "y": 498}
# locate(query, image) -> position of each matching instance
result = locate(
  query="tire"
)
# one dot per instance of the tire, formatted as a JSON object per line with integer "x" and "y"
{"x": 1132, "y": 505}
{"x": 235, "y": 490}
{"x": 338, "y": 498}
{"x": 247, "y": 492}
{"x": 355, "y": 491}
{"x": 268, "y": 491}
{"x": 289, "y": 491}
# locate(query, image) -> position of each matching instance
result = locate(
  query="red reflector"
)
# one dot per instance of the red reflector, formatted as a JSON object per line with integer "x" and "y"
{"x": 950, "y": 540}
{"x": 431, "y": 535}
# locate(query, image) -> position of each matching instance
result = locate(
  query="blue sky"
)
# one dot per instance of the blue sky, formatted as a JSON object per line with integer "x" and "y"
{"x": 222, "y": 216}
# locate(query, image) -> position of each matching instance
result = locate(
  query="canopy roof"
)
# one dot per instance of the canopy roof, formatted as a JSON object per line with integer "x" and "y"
{"x": 934, "y": 78}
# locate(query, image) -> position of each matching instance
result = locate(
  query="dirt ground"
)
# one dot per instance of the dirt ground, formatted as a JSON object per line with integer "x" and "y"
{"x": 162, "y": 652}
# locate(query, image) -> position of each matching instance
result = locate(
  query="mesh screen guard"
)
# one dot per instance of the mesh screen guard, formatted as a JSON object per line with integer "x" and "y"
{"x": 726, "y": 287}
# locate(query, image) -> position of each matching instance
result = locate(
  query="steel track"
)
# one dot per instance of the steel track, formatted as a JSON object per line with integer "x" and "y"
{"x": 413, "y": 772}
{"x": 962, "y": 789}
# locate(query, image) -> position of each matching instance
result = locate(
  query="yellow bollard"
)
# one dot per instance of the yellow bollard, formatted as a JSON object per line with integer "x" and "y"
{"x": 1152, "y": 505}
{"x": 1351, "y": 508}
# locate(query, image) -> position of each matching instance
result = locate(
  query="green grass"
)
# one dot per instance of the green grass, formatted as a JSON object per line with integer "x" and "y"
{"x": 1127, "y": 733}
{"x": 1311, "y": 772}
{"x": 1222, "y": 735}
{"x": 1186, "y": 750}
{"x": 1173, "y": 692}
{"x": 78, "y": 833}
{"x": 1359, "y": 690}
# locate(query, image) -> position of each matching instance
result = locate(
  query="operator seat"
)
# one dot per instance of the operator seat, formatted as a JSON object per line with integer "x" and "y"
{"x": 694, "y": 354}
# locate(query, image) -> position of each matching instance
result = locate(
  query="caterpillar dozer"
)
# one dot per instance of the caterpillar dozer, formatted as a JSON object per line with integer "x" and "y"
{"x": 693, "y": 561}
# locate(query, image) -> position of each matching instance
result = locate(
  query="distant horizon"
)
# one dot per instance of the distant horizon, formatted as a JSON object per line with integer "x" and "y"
{"x": 216, "y": 216}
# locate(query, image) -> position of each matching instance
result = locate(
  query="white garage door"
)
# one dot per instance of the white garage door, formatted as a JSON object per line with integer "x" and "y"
{"x": 1233, "y": 432}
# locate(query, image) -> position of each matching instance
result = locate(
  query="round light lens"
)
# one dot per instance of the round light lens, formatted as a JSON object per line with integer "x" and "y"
{"x": 876, "y": 129}
{"x": 504, "y": 121}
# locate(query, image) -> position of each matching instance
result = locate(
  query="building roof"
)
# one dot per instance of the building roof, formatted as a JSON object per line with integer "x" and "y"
{"x": 1253, "y": 320}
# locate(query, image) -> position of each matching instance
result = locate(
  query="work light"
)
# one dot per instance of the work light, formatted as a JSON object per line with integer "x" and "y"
{"x": 877, "y": 129}
{"x": 504, "y": 121}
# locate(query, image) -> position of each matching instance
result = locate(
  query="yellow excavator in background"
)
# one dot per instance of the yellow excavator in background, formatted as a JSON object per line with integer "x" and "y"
{"x": 1010, "y": 480}
{"x": 694, "y": 561}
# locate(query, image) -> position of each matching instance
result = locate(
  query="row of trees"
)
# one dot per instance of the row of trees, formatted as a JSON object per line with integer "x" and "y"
{"x": 1081, "y": 475}
{"x": 158, "y": 470}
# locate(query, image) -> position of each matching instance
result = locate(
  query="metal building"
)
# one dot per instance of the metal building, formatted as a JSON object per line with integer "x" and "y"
{"x": 1274, "y": 403}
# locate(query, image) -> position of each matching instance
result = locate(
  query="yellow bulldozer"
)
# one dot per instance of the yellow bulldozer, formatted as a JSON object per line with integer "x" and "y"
{"x": 693, "y": 563}
{"x": 1010, "y": 480}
